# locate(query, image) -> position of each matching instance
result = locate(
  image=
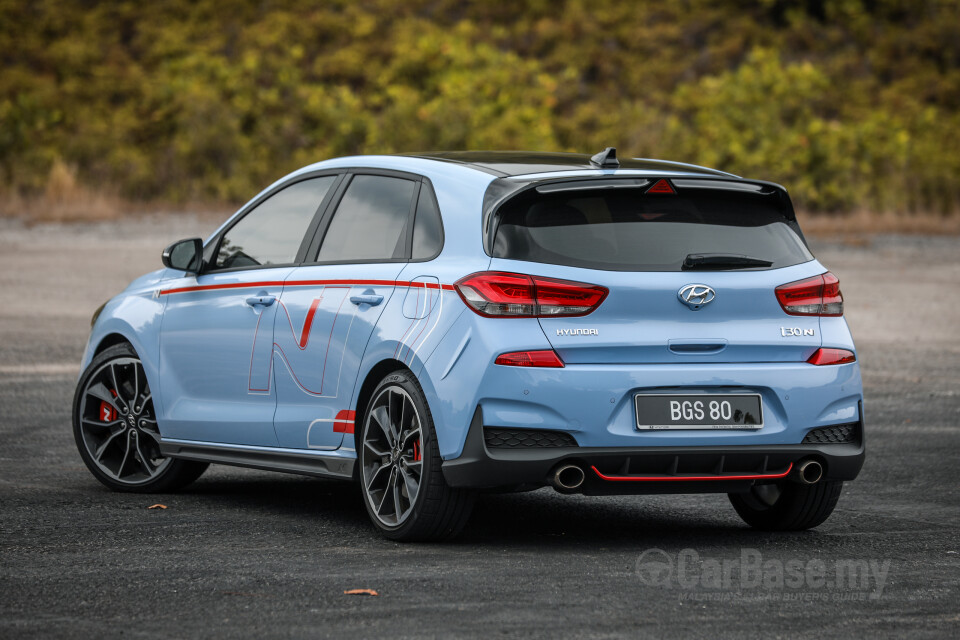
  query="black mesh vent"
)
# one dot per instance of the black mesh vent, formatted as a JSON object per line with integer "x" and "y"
{"x": 839, "y": 434}
{"x": 524, "y": 438}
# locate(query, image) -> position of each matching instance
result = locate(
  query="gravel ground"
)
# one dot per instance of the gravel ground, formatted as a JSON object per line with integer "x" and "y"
{"x": 251, "y": 554}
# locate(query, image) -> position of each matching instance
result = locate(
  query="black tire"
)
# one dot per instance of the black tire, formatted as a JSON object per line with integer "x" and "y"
{"x": 118, "y": 370}
{"x": 438, "y": 511}
{"x": 797, "y": 507}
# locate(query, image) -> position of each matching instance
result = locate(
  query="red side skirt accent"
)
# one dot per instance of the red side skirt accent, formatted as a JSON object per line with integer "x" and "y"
{"x": 752, "y": 476}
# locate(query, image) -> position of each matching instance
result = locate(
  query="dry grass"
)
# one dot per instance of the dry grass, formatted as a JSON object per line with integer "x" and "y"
{"x": 65, "y": 199}
{"x": 865, "y": 223}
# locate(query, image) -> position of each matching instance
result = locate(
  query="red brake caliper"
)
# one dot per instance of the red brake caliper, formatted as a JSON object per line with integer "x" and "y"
{"x": 107, "y": 412}
{"x": 416, "y": 451}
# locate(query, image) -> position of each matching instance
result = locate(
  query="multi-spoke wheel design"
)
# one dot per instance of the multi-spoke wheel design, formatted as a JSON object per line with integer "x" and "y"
{"x": 392, "y": 455}
{"x": 401, "y": 474}
{"x": 118, "y": 425}
{"x": 116, "y": 429}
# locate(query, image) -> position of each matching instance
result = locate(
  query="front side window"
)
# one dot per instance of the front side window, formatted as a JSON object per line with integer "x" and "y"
{"x": 371, "y": 221}
{"x": 272, "y": 232}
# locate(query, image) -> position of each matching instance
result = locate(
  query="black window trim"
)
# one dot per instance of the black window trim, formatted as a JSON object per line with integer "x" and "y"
{"x": 313, "y": 248}
{"x": 213, "y": 247}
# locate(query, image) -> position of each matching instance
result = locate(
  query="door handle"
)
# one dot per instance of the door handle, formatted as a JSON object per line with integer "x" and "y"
{"x": 368, "y": 297}
{"x": 261, "y": 300}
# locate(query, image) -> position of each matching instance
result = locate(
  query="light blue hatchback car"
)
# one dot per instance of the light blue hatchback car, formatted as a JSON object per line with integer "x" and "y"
{"x": 437, "y": 324}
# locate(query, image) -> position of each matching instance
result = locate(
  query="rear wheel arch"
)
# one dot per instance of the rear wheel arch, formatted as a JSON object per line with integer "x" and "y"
{"x": 372, "y": 379}
{"x": 389, "y": 465}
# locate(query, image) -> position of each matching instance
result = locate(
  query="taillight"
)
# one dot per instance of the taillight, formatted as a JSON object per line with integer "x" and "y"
{"x": 821, "y": 357}
{"x": 545, "y": 358}
{"x": 816, "y": 296}
{"x": 499, "y": 294}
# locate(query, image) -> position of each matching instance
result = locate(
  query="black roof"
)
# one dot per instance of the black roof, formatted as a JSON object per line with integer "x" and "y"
{"x": 515, "y": 163}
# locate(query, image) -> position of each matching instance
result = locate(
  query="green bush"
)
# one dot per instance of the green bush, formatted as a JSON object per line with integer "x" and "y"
{"x": 852, "y": 105}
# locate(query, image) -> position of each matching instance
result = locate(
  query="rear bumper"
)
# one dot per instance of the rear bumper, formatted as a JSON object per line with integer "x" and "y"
{"x": 647, "y": 470}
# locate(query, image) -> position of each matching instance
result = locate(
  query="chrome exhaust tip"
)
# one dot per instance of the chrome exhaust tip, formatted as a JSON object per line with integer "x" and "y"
{"x": 567, "y": 478}
{"x": 809, "y": 472}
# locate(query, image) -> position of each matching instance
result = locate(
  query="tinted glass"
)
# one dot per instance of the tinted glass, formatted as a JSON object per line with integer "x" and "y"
{"x": 625, "y": 230}
{"x": 272, "y": 232}
{"x": 371, "y": 221}
{"x": 427, "y": 228}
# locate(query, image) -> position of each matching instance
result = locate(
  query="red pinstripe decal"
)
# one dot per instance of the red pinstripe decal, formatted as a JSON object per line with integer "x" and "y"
{"x": 326, "y": 354}
{"x": 227, "y": 285}
{"x": 755, "y": 476}
{"x": 311, "y": 283}
{"x": 304, "y": 339}
{"x": 253, "y": 350}
{"x": 308, "y": 283}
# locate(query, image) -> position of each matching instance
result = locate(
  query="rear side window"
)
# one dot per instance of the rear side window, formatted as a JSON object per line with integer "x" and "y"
{"x": 371, "y": 221}
{"x": 427, "y": 228}
{"x": 626, "y": 230}
{"x": 272, "y": 232}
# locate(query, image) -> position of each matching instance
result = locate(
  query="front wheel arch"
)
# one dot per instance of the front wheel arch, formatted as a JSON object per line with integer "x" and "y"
{"x": 110, "y": 340}
{"x": 169, "y": 475}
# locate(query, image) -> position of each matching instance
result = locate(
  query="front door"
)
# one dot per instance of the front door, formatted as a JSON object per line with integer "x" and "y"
{"x": 218, "y": 327}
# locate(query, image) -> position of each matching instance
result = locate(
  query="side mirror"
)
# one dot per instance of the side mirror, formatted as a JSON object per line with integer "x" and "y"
{"x": 184, "y": 255}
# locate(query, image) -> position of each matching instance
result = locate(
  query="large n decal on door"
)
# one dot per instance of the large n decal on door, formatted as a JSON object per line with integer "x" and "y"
{"x": 308, "y": 340}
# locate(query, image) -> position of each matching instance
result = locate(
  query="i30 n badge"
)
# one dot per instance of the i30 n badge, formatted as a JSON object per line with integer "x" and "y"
{"x": 436, "y": 325}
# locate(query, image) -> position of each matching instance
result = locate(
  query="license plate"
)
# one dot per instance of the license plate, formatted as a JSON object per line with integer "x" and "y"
{"x": 699, "y": 411}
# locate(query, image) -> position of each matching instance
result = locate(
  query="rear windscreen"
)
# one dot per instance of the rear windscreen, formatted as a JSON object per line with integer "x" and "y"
{"x": 626, "y": 230}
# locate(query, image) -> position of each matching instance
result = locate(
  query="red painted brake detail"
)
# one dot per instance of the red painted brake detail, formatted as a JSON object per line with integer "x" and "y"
{"x": 107, "y": 412}
{"x": 344, "y": 422}
{"x": 416, "y": 451}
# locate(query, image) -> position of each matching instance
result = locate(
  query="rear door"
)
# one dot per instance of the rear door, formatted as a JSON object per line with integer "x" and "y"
{"x": 330, "y": 307}
{"x": 738, "y": 245}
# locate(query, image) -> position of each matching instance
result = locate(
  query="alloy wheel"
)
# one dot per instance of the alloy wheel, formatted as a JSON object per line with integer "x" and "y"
{"x": 118, "y": 423}
{"x": 392, "y": 463}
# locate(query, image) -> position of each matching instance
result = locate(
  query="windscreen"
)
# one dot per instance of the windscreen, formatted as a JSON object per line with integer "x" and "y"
{"x": 627, "y": 230}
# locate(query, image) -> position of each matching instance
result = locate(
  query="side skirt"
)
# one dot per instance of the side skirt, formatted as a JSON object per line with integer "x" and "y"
{"x": 324, "y": 464}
